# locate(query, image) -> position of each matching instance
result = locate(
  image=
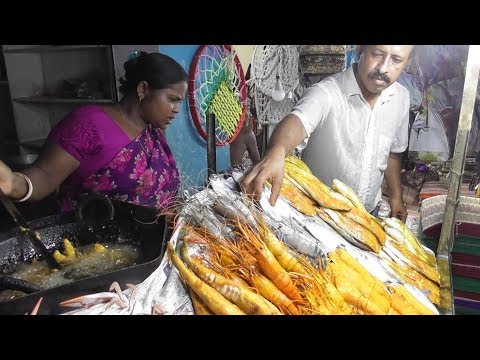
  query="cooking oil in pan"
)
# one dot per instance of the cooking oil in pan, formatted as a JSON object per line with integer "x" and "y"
{"x": 78, "y": 263}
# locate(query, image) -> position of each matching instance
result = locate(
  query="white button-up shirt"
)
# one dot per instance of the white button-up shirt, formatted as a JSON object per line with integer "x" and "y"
{"x": 347, "y": 139}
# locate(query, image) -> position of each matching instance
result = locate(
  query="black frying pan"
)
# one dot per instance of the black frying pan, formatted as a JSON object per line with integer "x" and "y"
{"x": 130, "y": 224}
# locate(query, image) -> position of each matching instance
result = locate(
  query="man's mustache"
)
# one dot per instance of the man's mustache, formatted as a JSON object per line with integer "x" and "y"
{"x": 377, "y": 75}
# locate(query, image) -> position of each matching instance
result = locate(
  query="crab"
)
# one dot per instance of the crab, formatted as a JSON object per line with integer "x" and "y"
{"x": 157, "y": 309}
{"x": 36, "y": 307}
{"x": 88, "y": 304}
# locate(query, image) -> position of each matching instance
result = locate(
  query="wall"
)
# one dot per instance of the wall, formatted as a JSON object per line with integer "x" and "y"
{"x": 244, "y": 53}
{"x": 8, "y": 133}
{"x": 188, "y": 147}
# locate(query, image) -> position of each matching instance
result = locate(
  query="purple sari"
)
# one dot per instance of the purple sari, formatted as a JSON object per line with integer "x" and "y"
{"x": 141, "y": 171}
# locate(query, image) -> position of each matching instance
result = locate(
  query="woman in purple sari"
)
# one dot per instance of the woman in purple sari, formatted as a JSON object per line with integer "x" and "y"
{"x": 117, "y": 150}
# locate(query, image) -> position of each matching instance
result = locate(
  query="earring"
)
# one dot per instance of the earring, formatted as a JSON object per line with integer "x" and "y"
{"x": 140, "y": 99}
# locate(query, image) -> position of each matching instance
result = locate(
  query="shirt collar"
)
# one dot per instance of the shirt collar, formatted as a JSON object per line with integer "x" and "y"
{"x": 352, "y": 88}
{"x": 350, "y": 82}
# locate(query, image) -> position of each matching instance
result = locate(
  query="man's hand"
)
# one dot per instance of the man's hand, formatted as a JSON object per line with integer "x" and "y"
{"x": 392, "y": 175}
{"x": 398, "y": 209}
{"x": 285, "y": 137}
{"x": 270, "y": 168}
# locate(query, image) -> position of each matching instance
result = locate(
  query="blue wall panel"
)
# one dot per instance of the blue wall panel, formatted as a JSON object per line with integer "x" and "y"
{"x": 188, "y": 147}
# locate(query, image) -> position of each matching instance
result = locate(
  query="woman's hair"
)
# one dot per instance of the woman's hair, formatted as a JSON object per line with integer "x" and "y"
{"x": 158, "y": 70}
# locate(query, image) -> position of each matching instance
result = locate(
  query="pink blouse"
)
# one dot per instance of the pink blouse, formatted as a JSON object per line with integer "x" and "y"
{"x": 141, "y": 171}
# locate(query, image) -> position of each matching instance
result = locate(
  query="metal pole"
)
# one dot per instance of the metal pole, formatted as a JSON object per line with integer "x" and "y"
{"x": 211, "y": 149}
{"x": 445, "y": 243}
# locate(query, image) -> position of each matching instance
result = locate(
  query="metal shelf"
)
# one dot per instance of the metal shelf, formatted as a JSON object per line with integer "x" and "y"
{"x": 53, "y": 48}
{"x": 56, "y": 100}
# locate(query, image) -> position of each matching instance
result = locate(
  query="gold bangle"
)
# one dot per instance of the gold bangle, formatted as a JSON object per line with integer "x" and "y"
{"x": 29, "y": 187}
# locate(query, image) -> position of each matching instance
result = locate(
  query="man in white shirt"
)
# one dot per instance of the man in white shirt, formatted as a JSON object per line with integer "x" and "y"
{"x": 353, "y": 126}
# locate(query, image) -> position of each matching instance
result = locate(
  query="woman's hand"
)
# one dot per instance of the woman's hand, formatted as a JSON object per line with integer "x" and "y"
{"x": 271, "y": 168}
{"x": 6, "y": 179}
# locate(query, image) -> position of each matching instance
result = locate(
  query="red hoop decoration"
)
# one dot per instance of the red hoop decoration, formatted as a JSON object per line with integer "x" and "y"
{"x": 207, "y": 53}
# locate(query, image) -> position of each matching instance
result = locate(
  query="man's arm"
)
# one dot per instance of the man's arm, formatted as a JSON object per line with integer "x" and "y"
{"x": 392, "y": 176}
{"x": 287, "y": 135}
{"x": 252, "y": 147}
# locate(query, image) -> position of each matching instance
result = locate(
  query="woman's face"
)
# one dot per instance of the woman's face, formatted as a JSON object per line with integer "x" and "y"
{"x": 159, "y": 107}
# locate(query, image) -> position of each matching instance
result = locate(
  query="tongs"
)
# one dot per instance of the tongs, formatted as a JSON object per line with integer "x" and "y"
{"x": 34, "y": 238}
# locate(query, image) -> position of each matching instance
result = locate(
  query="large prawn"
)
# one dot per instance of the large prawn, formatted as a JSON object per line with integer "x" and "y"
{"x": 248, "y": 301}
{"x": 211, "y": 297}
{"x": 269, "y": 265}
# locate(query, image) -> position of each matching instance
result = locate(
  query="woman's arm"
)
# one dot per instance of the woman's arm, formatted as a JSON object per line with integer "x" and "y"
{"x": 52, "y": 167}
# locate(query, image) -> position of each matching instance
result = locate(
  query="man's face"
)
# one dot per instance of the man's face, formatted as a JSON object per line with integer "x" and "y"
{"x": 379, "y": 66}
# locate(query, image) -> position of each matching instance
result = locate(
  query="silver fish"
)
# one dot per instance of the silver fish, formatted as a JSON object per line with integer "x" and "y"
{"x": 324, "y": 233}
{"x": 235, "y": 200}
{"x": 420, "y": 296}
{"x": 330, "y": 220}
{"x": 297, "y": 238}
{"x": 204, "y": 217}
{"x": 372, "y": 263}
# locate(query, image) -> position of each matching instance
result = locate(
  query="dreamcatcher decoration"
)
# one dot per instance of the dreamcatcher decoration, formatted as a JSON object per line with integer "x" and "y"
{"x": 217, "y": 85}
{"x": 268, "y": 63}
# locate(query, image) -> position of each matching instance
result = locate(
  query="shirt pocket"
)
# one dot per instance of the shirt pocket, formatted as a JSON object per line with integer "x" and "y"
{"x": 383, "y": 151}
